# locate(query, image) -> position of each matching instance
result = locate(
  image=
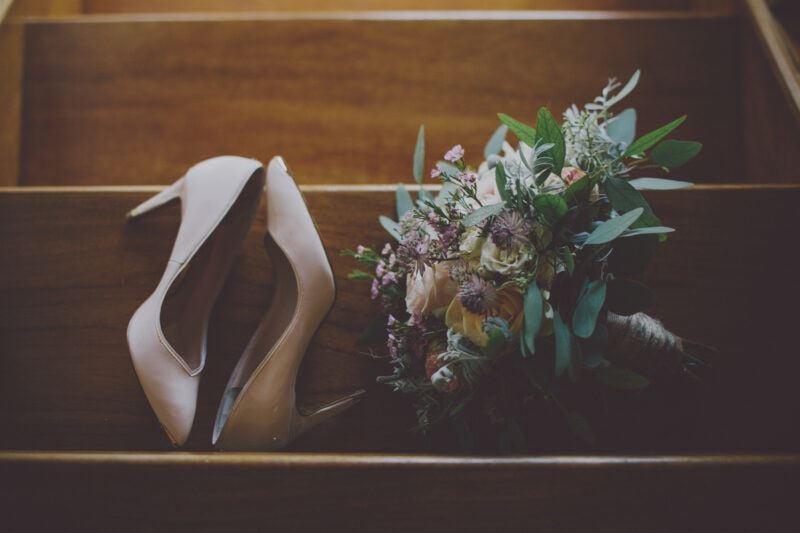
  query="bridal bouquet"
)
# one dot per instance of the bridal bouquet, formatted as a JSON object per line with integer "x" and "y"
{"x": 516, "y": 284}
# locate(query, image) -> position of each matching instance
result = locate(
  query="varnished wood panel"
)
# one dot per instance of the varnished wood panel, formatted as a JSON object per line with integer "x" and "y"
{"x": 150, "y": 6}
{"x": 45, "y": 8}
{"x": 73, "y": 272}
{"x": 116, "y": 102}
{"x": 279, "y": 492}
{"x": 11, "y": 49}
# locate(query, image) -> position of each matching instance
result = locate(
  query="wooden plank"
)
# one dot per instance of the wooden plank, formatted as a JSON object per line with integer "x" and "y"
{"x": 74, "y": 272}
{"x": 777, "y": 50}
{"x": 295, "y": 492}
{"x": 115, "y": 101}
{"x": 45, "y": 8}
{"x": 11, "y": 52}
{"x": 177, "y": 6}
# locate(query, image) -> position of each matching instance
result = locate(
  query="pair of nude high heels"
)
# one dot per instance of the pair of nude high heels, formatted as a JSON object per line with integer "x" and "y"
{"x": 167, "y": 334}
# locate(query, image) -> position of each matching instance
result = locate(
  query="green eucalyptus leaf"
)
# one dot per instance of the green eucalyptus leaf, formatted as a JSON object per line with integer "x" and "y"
{"x": 588, "y": 307}
{"x": 391, "y": 226}
{"x": 449, "y": 170}
{"x": 593, "y": 348}
{"x": 403, "y": 201}
{"x": 654, "y": 137}
{"x": 533, "y": 306}
{"x": 625, "y": 198}
{"x": 482, "y": 213}
{"x": 626, "y": 297}
{"x": 551, "y": 206}
{"x": 501, "y": 182}
{"x": 549, "y": 132}
{"x": 374, "y": 332}
{"x": 524, "y": 133}
{"x": 578, "y": 192}
{"x": 659, "y": 184}
{"x": 569, "y": 260}
{"x": 495, "y": 143}
{"x": 622, "y": 378}
{"x": 567, "y": 354}
{"x": 419, "y": 155}
{"x": 626, "y": 90}
{"x": 613, "y": 228}
{"x": 650, "y": 230}
{"x": 672, "y": 154}
{"x": 622, "y": 128}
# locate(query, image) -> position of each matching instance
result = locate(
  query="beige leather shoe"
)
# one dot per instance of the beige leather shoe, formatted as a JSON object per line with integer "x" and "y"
{"x": 258, "y": 410}
{"x": 167, "y": 334}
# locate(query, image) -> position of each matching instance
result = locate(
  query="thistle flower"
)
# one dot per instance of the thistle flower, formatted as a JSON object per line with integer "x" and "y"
{"x": 456, "y": 153}
{"x": 509, "y": 230}
{"x": 478, "y": 295}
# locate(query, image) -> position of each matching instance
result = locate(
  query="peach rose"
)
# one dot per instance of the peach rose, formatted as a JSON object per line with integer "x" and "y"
{"x": 431, "y": 291}
{"x": 470, "y": 324}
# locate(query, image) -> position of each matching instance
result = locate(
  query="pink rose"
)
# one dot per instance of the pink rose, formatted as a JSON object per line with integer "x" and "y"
{"x": 571, "y": 174}
{"x": 431, "y": 291}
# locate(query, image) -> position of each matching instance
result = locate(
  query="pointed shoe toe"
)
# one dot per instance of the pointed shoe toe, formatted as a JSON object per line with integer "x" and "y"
{"x": 167, "y": 334}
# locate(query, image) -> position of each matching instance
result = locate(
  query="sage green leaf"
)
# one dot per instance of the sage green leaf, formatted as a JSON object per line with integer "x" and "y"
{"x": 391, "y": 226}
{"x": 481, "y": 214}
{"x": 625, "y": 198}
{"x": 567, "y": 356}
{"x": 580, "y": 190}
{"x": 569, "y": 260}
{"x": 593, "y": 348}
{"x": 613, "y": 227}
{"x": 419, "y": 155}
{"x": 626, "y": 297}
{"x": 626, "y": 90}
{"x": 551, "y": 206}
{"x": 672, "y": 154}
{"x": 622, "y": 128}
{"x": 359, "y": 275}
{"x": 622, "y": 378}
{"x": 654, "y": 137}
{"x": 549, "y": 132}
{"x": 533, "y": 307}
{"x": 403, "y": 201}
{"x": 587, "y": 308}
{"x": 659, "y": 184}
{"x": 374, "y": 332}
{"x": 495, "y": 143}
{"x": 650, "y": 230}
{"x": 501, "y": 182}
{"x": 524, "y": 133}
{"x": 451, "y": 171}
{"x": 580, "y": 428}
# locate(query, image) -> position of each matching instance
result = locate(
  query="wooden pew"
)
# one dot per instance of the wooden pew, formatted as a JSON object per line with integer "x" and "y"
{"x": 135, "y": 100}
{"x": 72, "y": 272}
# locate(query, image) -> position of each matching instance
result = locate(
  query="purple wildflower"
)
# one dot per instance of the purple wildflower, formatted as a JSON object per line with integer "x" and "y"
{"x": 478, "y": 295}
{"x": 435, "y": 173}
{"x": 373, "y": 291}
{"x": 456, "y": 153}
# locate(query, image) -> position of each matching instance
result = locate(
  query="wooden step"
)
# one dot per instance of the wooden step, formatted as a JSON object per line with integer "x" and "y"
{"x": 73, "y": 272}
{"x": 205, "y": 492}
{"x": 76, "y": 7}
{"x": 136, "y": 100}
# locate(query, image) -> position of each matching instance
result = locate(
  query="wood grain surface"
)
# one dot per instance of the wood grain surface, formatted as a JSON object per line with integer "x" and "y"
{"x": 154, "y": 6}
{"x": 133, "y": 101}
{"x": 73, "y": 273}
{"x": 11, "y": 52}
{"x": 179, "y": 492}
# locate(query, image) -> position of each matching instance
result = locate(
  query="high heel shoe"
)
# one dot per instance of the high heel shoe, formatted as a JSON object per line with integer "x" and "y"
{"x": 258, "y": 410}
{"x": 167, "y": 333}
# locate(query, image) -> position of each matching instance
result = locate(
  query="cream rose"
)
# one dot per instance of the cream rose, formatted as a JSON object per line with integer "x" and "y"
{"x": 486, "y": 188}
{"x": 471, "y": 243}
{"x": 504, "y": 261}
{"x": 431, "y": 291}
